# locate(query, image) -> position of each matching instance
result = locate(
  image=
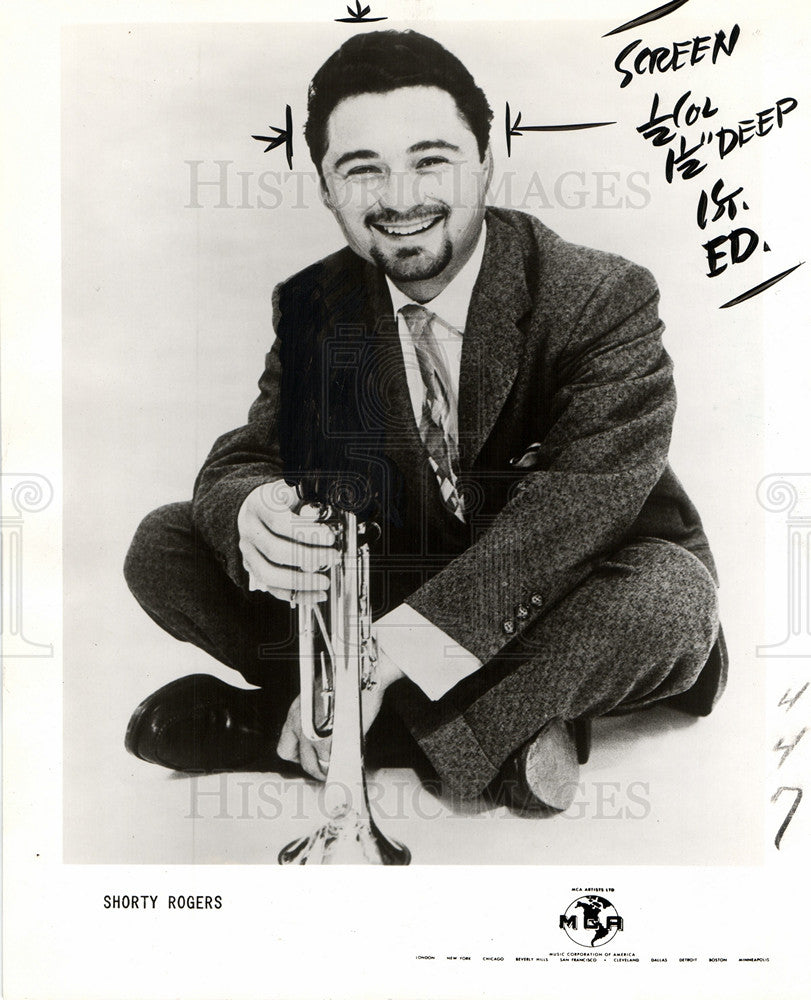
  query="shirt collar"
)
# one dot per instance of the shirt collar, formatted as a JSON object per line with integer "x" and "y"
{"x": 453, "y": 302}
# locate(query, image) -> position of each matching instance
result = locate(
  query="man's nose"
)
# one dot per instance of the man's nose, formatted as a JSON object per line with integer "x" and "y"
{"x": 399, "y": 190}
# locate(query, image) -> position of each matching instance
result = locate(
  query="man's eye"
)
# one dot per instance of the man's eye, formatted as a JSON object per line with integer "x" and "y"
{"x": 363, "y": 169}
{"x": 432, "y": 161}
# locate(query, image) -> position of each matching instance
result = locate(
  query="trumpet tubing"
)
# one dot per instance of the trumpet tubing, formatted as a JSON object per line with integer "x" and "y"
{"x": 336, "y": 661}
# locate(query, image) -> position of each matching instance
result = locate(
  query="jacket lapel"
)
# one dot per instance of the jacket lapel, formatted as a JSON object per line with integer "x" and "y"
{"x": 492, "y": 345}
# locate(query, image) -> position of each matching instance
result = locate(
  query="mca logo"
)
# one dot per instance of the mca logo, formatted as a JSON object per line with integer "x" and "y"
{"x": 591, "y": 921}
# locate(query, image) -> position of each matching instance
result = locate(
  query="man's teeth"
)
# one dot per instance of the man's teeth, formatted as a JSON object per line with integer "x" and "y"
{"x": 407, "y": 230}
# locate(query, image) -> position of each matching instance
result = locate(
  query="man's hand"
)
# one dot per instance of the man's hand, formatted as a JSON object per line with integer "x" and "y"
{"x": 314, "y": 757}
{"x": 285, "y": 551}
{"x": 294, "y": 746}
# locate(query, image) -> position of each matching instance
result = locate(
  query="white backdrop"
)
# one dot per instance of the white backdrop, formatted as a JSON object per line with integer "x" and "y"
{"x": 170, "y": 256}
{"x": 165, "y": 322}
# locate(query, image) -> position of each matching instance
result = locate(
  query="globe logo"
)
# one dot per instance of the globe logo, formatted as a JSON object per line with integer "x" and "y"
{"x": 591, "y": 921}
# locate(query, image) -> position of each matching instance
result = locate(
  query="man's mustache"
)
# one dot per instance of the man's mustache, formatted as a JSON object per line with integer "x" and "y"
{"x": 389, "y": 217}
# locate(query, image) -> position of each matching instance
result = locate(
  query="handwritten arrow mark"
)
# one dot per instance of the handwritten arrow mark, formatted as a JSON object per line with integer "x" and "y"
{"x": 358, "y": 15}
{"x": 516, "y": 129}
{"x": 285, "y": 135}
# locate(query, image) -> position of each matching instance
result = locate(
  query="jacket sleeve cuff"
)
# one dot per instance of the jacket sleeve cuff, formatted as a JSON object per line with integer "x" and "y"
{"x": 424, "y": 653}
{"x": 215, "y": 516}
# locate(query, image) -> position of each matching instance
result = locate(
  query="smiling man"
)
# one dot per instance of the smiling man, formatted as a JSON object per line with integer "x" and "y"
{"x": 415, "y": 210}
{"x": 506, "y": 402}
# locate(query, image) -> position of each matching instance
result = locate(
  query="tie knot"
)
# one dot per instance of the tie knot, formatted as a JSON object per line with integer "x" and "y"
{"x": 417, "y": 318}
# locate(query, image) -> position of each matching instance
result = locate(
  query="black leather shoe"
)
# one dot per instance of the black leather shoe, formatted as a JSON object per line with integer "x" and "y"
{"x": 200, "y": 724}
{"x": 541, "y": 778}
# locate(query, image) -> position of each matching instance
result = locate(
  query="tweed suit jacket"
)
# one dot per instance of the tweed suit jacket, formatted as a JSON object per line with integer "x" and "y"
{"x": 566, "y": 403}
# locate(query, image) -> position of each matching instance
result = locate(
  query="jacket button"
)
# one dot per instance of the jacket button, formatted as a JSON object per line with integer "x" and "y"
{"x": 509, "y": 626}
{"x": 522, "y": 612}
{"x": 536, "y": 601}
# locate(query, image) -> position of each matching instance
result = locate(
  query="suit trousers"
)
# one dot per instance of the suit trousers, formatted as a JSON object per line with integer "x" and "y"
{"x": 636, "y": 631}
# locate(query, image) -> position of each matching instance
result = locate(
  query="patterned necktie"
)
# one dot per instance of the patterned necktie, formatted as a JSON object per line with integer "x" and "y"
{"x": 436, "y": 419}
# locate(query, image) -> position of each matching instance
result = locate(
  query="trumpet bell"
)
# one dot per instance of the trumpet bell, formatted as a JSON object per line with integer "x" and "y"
{"x": 348, "y": 838}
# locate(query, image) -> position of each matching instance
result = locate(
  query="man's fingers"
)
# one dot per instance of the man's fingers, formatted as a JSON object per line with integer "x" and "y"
{"x": 309, "y": 512}
{"x": 323, "y": 749}
{"x": 300, "y": 597}
{"x": 293, "y": 746}
{"x": 275, "y": 505}
{"x": 310, "y": 761}
{"x": 265, "y": 575}
{"x": 288, "y": 746}
{"x": 276, "y": 496}
{"x": 294, "y": 551}
{"x": 285, "y": 552}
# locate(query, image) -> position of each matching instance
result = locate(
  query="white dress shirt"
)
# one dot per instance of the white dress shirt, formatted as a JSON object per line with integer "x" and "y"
{"x": 424, "y": 653}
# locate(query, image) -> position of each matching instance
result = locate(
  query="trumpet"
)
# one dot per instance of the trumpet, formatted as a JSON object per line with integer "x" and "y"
{"x": 336, "y": 662}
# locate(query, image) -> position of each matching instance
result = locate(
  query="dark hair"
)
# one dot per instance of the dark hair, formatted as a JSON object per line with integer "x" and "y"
{"x": 380, "y": 61}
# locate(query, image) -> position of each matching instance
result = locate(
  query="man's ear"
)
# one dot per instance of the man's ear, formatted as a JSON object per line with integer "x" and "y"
{"x": 323, "y": 191}
{"x": 487, "y": 167}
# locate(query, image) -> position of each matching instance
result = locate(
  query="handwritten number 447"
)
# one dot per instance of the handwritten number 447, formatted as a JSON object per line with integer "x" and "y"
{"x": 789, "y": 701}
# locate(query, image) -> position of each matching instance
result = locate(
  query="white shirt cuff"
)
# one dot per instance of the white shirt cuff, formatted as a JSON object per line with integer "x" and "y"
{"x": 424, "y": 653}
